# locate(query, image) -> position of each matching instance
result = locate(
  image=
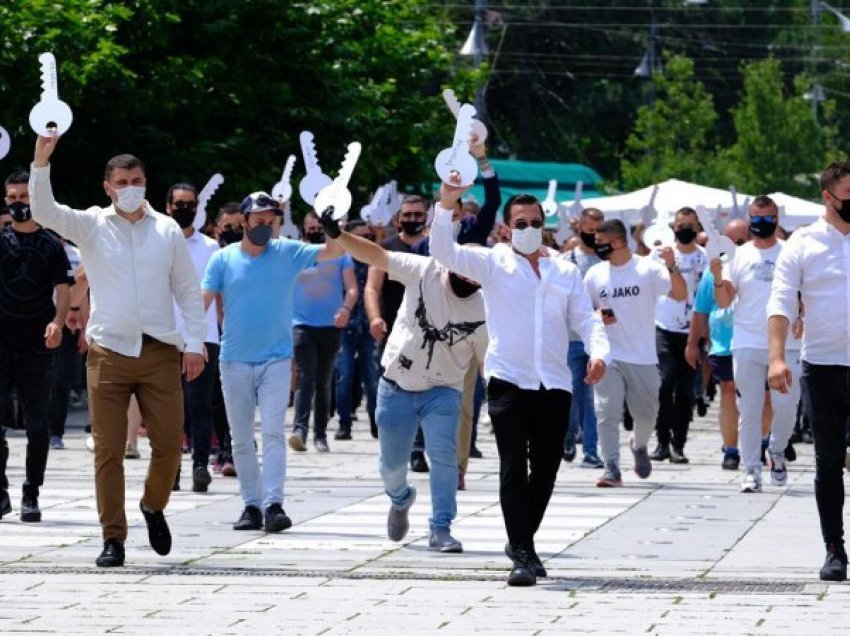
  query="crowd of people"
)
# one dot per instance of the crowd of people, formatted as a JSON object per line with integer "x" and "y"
{"x": 187, "y": 334}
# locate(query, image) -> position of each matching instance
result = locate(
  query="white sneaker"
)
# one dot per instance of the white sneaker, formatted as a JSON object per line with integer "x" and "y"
{"x": 752, "y": 482}
{"x": 778, "y": 472}
{"x": 90, "y": 443}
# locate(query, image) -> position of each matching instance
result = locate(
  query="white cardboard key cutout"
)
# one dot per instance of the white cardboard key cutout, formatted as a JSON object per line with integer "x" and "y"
{"x": 550, "y": 205}
{"x": 50, "y": 116}
{"x": 337, "y": 193}
{"x": 658, "y": 235}
{"x": 315, "y": 179}
{"x": 457, "y": 160}
{"x": 282, "y": 190}
{"x": 718, "y": 245}
{"x": 478, "y": 128}
{"x": 5, "y": 142}
{"x": 204, "y": 197}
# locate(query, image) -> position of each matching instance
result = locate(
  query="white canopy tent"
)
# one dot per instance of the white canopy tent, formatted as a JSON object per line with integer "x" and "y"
{"x": 795, "y": 212}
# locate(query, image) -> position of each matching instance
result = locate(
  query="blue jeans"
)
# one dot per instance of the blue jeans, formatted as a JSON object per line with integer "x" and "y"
{"x": 582, "y": 414}
{"x": 246, "y": 386}
{"x": 399, "y": 413}
{"x": 362, "y": 345}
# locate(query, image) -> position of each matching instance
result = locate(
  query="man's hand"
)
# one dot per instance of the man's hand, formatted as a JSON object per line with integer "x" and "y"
{"x": 82, "y": 343}
{"x": 608, "y": 317}
{"x": 193, "y": 365}
{"x": 668, "y": 256}
{"x": 595, "y": 371}
{"x": 779, "y": 376}
{"x": 450, "y": 194}
{"x": 341, "y": 318}
{"x": 479, "y": 151}
{"x": 716, "y": 267}
{"x": 329, "y": 223}
{"x": 692, "y": 354}
{"x": 52, "y": 336}
{"x": 378, "y": 329}
{"x": 73, "y": 321}
{"x": 44, "y": 147}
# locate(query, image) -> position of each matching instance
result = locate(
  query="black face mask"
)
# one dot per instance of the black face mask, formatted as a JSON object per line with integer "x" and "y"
{"x": 184, "y": 217}
{"x": 229, "y": 236}
{"x": 260, "y": 235}
{"x": 588, "y": 238}
{"x": 843, "y": 209}
{"x": 603, "y": 250}
{"x": 315, "y": 237}
{"x": 462, "y": 288}
{"x": 686, "y": 235}
{"x": 412, "y": 228}
{"x": 20, "y": 211}
{"x": 763, "y": 229}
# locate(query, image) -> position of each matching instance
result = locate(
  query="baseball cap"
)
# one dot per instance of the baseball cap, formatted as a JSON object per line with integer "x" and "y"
{"x": 259, "y": 201}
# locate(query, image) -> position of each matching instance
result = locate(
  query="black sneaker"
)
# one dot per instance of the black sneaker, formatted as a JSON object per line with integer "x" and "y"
{"x": 251, "y": 519}
{"x": 30, "y": 512}
{"x": 201, "y": 479}
{"x": 569, "y": 451}
{"x": 731, "y": 461}
{"x": 159, "y": 536}
{"x": 661, "y": 453}
{"x": 677, "y": 456}
{"x": 112, "y": 555}
{"x": 474, "y": 453}
{"x": 835, "y": 566}
{"x": 5, "y": 504}
{"x": 522, "y": 574}
{"x": 418, "y": 464}
{"x": 790, "y": 453}
{"x": 343, "y": 433}
{"x": 276, "y": 519}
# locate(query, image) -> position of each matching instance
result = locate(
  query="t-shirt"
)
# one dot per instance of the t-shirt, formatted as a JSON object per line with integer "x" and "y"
{"x": 675, "y": 315}
{"x": 392, "y": 291}
{"x": 436, "y": 334}
{"x": 257, "y": 293}
{"x": 720, "y": 321}
{"x": 319, "y": 292}
{"x": 201, "y": 248}
{"x": 31, "y": 265}
{"x": 631, "y": 291}
{"x": 751, "y": 273}
{"x": 584, "y": 261}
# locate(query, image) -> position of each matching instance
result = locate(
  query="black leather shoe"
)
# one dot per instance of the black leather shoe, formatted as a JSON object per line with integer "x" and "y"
{"x": 343, "y": 433}
{"x": 201, "y": 479}
{"x": 522, "y": 574}
{"x": 677, "y": 456}
{"x": 276, "y": 519}
{"x": 661, "y": 453}
{"x": 569, "y": 451}
{"x": 112, "y": 555}
{"x": 5, "y": 503}
{"x": 835, "y": 566}
{"x": 418, "y": 463}
{"x": 159, "y": 535}
{"x": 251, "y": 519}
{"x": 30, "y": 512}
{"x": 536, "y": 564}
{"x": 474, "y": 453}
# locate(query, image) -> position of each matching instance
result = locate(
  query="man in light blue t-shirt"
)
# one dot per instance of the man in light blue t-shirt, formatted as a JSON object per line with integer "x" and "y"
{"x": 253, "y": 282}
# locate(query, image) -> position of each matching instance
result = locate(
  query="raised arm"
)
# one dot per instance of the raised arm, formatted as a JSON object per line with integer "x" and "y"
{"x": 472, "y": 261}
{"x": 359, "y": 248}
{"x": 484, "y": 221}
{"x": 724, "y": 290}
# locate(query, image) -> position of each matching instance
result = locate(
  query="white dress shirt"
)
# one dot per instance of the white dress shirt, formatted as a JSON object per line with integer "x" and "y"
{"x": 136, "y": 272}
{"x": 528, "y": 317}
{"x": 201, "y": 248}
{"x": 816, "y": 262}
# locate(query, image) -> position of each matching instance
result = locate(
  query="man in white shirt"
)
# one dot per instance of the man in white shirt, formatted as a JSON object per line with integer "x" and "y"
{"x": 815, "y": 263}
{"x": 746, "y": 282}
{"x": 673, "y": 321}
{"x": 138, "y": 265}
{"x": 628, "y": 286}
{"x": 181, "y": 204}
{"x": 438, "y": 333}
{"x": 531, "y": 301}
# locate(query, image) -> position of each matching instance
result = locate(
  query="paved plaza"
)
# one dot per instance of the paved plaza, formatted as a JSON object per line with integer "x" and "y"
{"x": 680, "y": 553}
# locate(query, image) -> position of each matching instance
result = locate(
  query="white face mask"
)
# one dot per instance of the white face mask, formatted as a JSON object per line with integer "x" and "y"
{"x": 455, "y": 229}
{"x": 129, "y": 198}
{"x": 527, "y": 241}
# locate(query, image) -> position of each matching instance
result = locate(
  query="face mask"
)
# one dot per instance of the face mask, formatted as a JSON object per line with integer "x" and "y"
{"x": 412, "y": 228}
{"x": 603, "y": 250}
{"x": 762, "y": 229}
{"x": 527, "y": 241}
{"x": 843, "y": 208}
{"x": 588, "y": 238}
{"x": 20, "y": 211}
{"x": 184, "y": 217}
{"x": 455, "y": 229}
{"x": 685, "y": 235}
{"x": 315, "y": 237}
{"x": 260, "y": 235}
{"x": 229, "y": 236}
{"x": 460, "y": 287}
{"x": 130, "y": 198}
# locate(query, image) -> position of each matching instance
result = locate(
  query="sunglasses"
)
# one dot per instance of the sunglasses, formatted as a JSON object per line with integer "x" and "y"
{"x": 184, "y": 205}
{"x": 265, "y": 202}
{"x": 522, "y": 224}
{"x": 763, "y": 219}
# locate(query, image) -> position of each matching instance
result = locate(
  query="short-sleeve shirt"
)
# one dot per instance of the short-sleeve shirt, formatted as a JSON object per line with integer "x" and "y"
{"x": 319, "y": 292}
{"x": 257, "y": 293}
{"x": 436, "y": 335}
{"x": 720, "y": 321}
{"x": 31, "y": 265}
{"x": 631, "y": 291}
{"x": 675, "y": 315}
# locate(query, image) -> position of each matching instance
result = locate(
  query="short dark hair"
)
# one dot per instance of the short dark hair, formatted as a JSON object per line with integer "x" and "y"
{"x": 188, "y": 187}
{"x": 764, "y": 201}
{"x": 614, "y": 228}
{"x": 521, "y": 199}
{"x": 122, "y": 162}
{"x": 231, "y": 207}
{"x": 310, "y": 214}
{"x": 593, "y": 213}
{"x": 353, "y": 224}
{"x": 17, "y": 177}
{"x": 834, "y": 173}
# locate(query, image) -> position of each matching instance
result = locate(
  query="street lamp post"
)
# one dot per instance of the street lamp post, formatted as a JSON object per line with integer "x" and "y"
{"x": 476, "y": 47}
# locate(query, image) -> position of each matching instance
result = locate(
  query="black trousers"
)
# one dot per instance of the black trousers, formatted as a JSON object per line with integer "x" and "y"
{"x": 530, "y": 428}
{"x": 198, "y": 407}
{"x": 315, "y": 350}
{"x": 63, "y": 375}
{"x": 676, "y": 395}
{"x": 32, "y": 373}
{"x": 826, "y": 402}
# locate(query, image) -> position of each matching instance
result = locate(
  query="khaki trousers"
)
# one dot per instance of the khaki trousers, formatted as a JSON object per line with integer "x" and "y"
{"x": 467, "y": 404}
{"x": 154, "y": 377}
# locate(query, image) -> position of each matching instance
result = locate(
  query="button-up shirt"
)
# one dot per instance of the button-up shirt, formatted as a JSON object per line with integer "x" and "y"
{"x": 201, "y": 248}
{"x": 816, "y": 262}
{"x": 528, "y": 317}
{"x": 136, "y": 272}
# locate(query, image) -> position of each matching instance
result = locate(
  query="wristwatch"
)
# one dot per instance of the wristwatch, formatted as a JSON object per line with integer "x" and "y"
{"x": 674, "y": 269}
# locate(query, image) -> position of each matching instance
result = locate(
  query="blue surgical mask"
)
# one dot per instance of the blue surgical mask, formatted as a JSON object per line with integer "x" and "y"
{"x": 259, "y": 235}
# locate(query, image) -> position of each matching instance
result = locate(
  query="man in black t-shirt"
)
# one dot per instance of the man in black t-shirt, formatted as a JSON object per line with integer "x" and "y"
{"x": 33, "y": 266}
